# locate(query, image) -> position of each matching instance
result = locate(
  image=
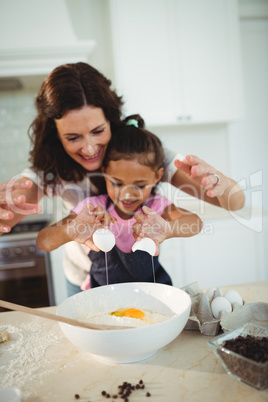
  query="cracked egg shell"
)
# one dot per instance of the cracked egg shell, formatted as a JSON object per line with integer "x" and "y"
{"x": 145, "y": 244}
{"x": 104, "y": 239}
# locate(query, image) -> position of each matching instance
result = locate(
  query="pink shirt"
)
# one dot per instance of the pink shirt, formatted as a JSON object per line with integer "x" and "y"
{"x": 123, "y": 230}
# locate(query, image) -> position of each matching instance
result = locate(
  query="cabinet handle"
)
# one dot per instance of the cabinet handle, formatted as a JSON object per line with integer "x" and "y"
{"x": 18, "y": 265}
{"x": 185, "y": 118}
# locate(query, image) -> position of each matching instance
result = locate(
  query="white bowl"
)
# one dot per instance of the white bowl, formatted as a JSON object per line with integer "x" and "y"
{"x": 126, "y": 345}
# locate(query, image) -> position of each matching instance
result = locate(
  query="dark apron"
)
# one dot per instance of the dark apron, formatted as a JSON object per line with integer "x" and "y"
{"x": 125, "y": 267}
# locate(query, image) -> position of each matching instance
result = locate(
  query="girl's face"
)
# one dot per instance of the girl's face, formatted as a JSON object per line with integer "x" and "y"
{"x": 84, "y": 134}
{"x": 129, "y": 184}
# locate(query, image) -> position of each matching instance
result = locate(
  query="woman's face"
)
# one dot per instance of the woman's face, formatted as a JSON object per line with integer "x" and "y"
{"x": 129, "y": 184}
{"x": 84, "y": 134}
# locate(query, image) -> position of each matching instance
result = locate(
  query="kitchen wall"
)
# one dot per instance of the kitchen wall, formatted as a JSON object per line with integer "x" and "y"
{"x": 238, "y": 149}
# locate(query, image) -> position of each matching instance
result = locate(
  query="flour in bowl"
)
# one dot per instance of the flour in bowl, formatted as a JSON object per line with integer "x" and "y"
{"x": 129, "y": 317}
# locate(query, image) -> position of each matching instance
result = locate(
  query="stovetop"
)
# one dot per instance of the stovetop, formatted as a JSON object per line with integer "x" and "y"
{"x": 20, "y": 242}
{"x": 27, "y": 227}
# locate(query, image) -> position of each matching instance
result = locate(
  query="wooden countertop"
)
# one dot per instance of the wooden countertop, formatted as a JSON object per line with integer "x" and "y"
{"x": 45, "y": 366}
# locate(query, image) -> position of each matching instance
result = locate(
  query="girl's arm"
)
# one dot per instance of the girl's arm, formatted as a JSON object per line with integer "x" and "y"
{"x": 79, "y": 228}
{"x": 174, "y": 222}
{"x": 197, "y": 178}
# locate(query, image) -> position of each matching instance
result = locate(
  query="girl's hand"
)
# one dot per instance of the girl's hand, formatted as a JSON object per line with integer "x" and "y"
{"x": 12, "y": 202}
{"x": 82, "y": 227}
{"x": 214, "y": 182}
{"x": 152, "y": 225}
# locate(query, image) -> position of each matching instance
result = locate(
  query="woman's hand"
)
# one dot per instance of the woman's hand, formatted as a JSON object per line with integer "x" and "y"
{"x": 82, "y": 227}
{"x": 150, "y": 224}
{"x": 198, "y": 170}
{"x": 225, "y": 191}
{"x": 12, "y": 202}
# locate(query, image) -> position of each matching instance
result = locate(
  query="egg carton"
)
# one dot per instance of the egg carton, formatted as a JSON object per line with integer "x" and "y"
{"x": 201, "y": 317}
{"x": 254, "y": 313}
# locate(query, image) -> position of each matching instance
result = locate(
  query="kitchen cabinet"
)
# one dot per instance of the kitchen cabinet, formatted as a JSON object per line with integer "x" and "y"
{"x": 58, "y": 276}
{"x": 225, "y": 252}
{"x": 178, "y": 61}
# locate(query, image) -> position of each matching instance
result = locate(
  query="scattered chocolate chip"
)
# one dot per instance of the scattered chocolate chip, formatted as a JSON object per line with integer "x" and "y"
{"x": 125, "y": 390}
{"x": 77, "y": 396}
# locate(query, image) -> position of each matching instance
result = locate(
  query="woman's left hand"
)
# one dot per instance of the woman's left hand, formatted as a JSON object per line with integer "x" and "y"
{"x": 214, "y": 182}
{"x": 150, "y": 224}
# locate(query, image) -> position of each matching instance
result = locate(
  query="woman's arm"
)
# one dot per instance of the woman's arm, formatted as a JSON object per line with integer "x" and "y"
{"x": 79, "y": 228}
{"x": 196, "y": 178}
{"x": 174, "y": 222}
{"x": 18, "y": 198}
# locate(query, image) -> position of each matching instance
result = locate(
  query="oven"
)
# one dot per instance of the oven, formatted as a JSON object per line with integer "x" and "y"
{"x": 25, "y": 271}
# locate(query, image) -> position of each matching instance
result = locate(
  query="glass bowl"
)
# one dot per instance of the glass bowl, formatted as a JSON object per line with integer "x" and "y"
{"x": 238, "y": 366}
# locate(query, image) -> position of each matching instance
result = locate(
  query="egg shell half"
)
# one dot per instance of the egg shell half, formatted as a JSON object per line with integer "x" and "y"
{"x": 220, "y": 304}
{"x": 104, "y": 239}
{"x": 233, "y": 296}
{"x": 145, "y": 244}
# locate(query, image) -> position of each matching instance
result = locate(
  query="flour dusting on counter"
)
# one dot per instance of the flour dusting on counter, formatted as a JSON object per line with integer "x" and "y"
{"x": 23, "y": 358}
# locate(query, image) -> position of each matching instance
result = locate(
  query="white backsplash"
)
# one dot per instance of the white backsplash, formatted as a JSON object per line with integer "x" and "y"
{"x": 16, "y": 114}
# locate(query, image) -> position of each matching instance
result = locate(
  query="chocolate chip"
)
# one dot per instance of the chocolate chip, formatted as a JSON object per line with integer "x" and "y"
{"x": 148, "y": 394}
{"x": 77, "y": 396}
{"x": 250, "y": 347}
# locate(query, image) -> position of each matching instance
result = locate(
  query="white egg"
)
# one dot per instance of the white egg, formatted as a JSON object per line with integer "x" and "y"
{"x": 104, "y": 239}
{"x": 233, "y": 296}
{"x": 220, "y": 304}
{"x": 209, "y": 293}
{"x": 145, "y": 244}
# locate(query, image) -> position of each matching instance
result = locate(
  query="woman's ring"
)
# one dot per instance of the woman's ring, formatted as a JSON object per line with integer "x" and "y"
{"x": 218, "y": 179}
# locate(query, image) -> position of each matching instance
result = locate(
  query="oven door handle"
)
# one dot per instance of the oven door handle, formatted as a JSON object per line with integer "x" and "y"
{"x": 16, "y": 265}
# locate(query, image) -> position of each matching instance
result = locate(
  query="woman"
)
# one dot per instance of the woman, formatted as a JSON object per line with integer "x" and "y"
{"x": 76, "y": 114}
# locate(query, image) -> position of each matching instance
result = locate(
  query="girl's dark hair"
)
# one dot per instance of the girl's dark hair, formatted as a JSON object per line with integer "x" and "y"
{"x": 68, "y": 87}
{"x": 132, "y": 142}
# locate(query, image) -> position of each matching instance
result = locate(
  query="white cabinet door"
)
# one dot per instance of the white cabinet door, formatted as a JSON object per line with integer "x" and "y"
{"x": 171, "y": 258}
{"x": 229, "y": 253}
{"x": 177, "y": 61}
{"x": 141, "y": 46}
{"x": 207, "y": 59}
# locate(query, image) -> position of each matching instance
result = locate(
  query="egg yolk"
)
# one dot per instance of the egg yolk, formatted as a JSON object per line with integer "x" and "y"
{"x": 130, "y": 312}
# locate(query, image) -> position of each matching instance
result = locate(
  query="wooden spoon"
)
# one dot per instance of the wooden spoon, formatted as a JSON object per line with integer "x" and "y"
{"x": 54, "y": 317}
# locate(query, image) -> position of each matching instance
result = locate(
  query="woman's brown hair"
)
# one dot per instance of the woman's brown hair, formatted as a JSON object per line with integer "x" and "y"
{"x": 68, "y": 87}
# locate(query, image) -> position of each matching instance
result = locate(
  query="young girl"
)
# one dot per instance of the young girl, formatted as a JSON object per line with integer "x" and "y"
{"x": 132, "y": 167}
